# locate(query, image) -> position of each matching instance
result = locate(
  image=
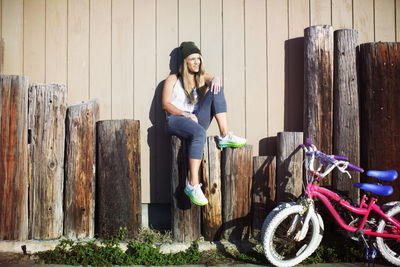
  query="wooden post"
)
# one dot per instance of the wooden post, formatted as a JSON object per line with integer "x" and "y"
{"x": 185, "y": 215}
{"x": 13, "y": 157}
{"x": 212, "y": 213}
{"x": 318, "y": 87}
{"x": 263, "y": 193}
{"x": 346, "y": 132}
{"x": 46, "y": 139}
{"x": 237, "y": 173}
{"x": 79, "y": 169}
{"x": 379, "y": 65}
{"x": 118, "y": 177}
{"x": 289, "y": 164}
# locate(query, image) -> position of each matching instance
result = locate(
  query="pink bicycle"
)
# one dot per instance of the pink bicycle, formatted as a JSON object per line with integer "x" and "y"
{"x": 293, "y": 231}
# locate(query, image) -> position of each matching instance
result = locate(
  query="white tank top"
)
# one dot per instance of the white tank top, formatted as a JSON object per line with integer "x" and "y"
{"x": 179, "y": 98}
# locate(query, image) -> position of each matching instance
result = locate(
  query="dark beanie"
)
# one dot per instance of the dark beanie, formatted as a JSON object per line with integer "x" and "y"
{"x": 188, "y": 48}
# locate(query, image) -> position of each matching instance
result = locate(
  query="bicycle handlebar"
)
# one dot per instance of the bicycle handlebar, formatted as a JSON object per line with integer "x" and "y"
{"x": 354, "y": 167}
{"x": 324, "y": 157}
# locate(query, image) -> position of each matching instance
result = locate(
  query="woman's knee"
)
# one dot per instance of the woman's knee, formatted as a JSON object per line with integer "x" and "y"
{"x": 200, "y": 135}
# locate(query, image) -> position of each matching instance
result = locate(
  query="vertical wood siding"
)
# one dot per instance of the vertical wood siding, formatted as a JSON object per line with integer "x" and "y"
{"x": 120, "y": 51}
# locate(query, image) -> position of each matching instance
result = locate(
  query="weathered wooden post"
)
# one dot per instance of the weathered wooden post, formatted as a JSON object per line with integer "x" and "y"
{"x": 289, "y": 165}
{"x": 263, "y": 193}
{"x": 379, "y": 66}
{"x": 46, "y": 139}
{"x": 346, "y": 131}
{"x": 185, "y": 215}
{"x": 80, "y": 155}
{"x": 13, "y": 157}
{"x": 118, "y": 177}
{"x": 237, "y": 172}
{"x": 318, "y": 87}
{"x": 212, "y": 213}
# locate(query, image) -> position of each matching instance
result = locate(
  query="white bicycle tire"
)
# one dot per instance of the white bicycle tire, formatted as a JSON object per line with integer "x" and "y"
{"x": 390, "y": 255}
{"x": 270, "y": 225}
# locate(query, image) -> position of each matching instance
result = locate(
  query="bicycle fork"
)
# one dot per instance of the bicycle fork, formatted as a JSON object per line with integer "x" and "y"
{"x": 304, "y": 219}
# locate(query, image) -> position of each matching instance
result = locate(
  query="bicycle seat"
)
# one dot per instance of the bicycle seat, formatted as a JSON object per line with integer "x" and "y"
{"x": 381, "y": 190}
{"x": 389, "y": 175}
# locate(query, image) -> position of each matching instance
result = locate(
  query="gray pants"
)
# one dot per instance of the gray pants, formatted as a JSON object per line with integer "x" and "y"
{"x": 195, "y": 133}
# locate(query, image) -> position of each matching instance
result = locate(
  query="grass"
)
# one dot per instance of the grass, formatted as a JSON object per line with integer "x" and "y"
{"x": 145, "y": 250}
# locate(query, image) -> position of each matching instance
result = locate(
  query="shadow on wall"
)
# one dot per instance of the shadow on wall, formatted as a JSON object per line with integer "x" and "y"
{"x": 294, "y": 84}
{"x": 293, "y": 96}
{"x": 159, "y": 142}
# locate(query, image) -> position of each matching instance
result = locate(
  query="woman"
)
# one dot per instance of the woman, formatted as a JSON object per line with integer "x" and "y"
{"x": 191, "y": 99}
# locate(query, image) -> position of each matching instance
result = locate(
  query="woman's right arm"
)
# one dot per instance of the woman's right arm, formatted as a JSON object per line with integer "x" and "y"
{"x": 167, "y": 98}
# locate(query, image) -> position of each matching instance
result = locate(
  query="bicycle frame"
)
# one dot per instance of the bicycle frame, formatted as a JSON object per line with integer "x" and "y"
{"x": 315, "y": 191}
{"x": 312, "y": 190}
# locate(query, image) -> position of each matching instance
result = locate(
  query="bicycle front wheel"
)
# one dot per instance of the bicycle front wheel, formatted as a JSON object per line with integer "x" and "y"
{"x": 389, "y": 247}
{"x": 280, "y": 246}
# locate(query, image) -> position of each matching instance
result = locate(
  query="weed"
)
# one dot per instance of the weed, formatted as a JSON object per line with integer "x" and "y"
{"x": 109, "y": 253}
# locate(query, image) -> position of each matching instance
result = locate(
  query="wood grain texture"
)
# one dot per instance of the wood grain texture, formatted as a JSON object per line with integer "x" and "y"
{"x": 289, "y": 166}
{"x": 263, "y": 192}
{"x": 318, "y": 88}
{"x": 80, "y": 139}
{"x": 380, "y": 120}
{"x": 342, "y": 14}
{"x": 13, "y": 34}
{"x": 56, "y": 41}
{"x": 118, "y": 177}
{"x": 385, "y": 20}
{"x": 212, "y": 213}
{"x": 2, "y": 44}
{"x": 13, "y": 157}
{"x": 35, "y": 40}
{"x": 363, "y": 18}
{"x": 46, "y": 127}
{"x": 185, "y": 215}
{"x": 346, "y": 127}
{"x": 237, "y": 172}
{"x": 145, "y": 86}
{"x": 78, "y": 51}
{"x": 100, "y": 55}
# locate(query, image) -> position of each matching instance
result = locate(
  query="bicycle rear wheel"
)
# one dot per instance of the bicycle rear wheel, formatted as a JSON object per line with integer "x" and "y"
{"x": 280, "y": 248}
{"x": 389, "y": 247}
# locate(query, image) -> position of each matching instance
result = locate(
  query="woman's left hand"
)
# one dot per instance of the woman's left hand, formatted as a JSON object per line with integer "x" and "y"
{"x": 215, "y": 85}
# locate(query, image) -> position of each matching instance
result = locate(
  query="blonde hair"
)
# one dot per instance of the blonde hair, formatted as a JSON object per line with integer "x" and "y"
{"x": 200, "y": 85}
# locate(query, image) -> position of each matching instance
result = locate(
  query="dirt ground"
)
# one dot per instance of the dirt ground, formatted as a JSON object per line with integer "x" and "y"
{"x": 20, "y": 258}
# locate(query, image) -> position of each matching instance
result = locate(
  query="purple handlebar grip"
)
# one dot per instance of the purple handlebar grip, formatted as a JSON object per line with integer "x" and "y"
{"x": 303, "y": 146}
{"x": 354, "y": 167}
{"x": 341, "y": 157}
{"x": 308, "y": 141}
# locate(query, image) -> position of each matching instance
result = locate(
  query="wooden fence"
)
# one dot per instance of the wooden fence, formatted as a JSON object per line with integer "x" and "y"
{"x": 48, "y": 162}
{"x": 46, "y": 195}
{"x": 240, "y": 188}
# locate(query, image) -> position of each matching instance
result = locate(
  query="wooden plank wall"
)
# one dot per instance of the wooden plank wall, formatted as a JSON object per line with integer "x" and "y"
{"x": 119, "y": 51}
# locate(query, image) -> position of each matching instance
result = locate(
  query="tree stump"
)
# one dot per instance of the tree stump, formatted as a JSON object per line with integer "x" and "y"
{"x": 212, "y": 213}
{"x": 379, "y": 66}
{"x": 346, "y": 131}
{"x": 237, "y": 172}
{"x": 263, "y": 193}
{"x": 185, "y": 215}
{"x": 289, "y": 164}
{"x": 80, "y": 169}
{"x": 318, "y": 87}
{"x": 13, "y": 157}
{"x": 46, "y": 140}
{"x": 118, "y": 177}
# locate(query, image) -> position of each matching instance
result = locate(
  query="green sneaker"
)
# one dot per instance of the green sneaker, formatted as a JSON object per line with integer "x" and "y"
{"x": 196, "y": 195}
{"x": 230, "y": 140}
